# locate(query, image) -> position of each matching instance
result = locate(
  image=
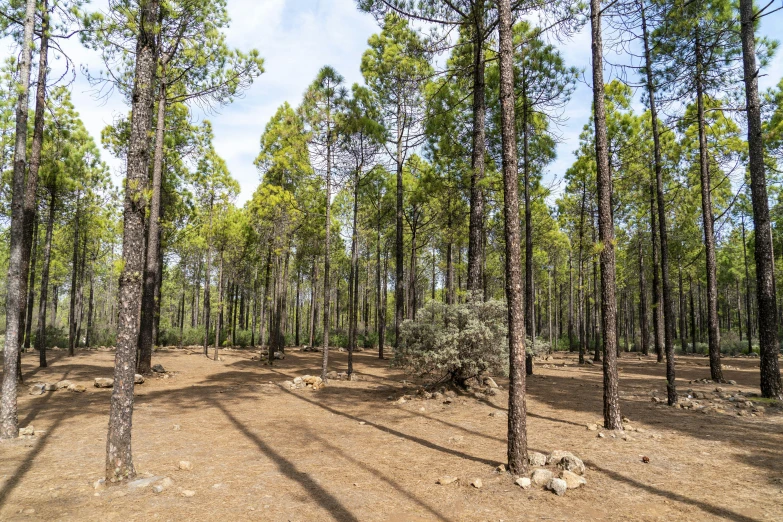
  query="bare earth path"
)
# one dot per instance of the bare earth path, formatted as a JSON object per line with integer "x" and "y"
{"x": 346, "y": 452}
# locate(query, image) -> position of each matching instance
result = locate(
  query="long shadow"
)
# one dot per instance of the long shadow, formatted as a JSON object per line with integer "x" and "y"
{"x": 318, "y": 493}
{"x": 381, "y": 427}
{"x": 27, "y": 464}
{"x": 376, "y": 474}
{"x": 39, "y": 405}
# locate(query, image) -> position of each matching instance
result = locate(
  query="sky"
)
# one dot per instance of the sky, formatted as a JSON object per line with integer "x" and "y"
{"x": 296, "y": 38}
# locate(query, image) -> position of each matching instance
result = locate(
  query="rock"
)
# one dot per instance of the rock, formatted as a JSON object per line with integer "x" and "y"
{"x": 557, "y": 485}
{"x": 143, "y": 482}
{"x": 158, "y": 368}
{"x": 476, "y": 483}
{"x": 572, "y": 463}
{"x": 536, "y": 459}
{"x": 177, "y": 427}
{"x": 162, "y": 485}
{"x": 103, "y": 382}
{"x": 332, "y": 375}
{"x": 188, "y": 493}
{"x": 50, "y": 387}
{"x": 733, "y": 383}
{"x": 556, "y": 456}
{"x": 37, "y": 389}
{"x": 572, "y": 480}
{"x": 99, "y": 484}
{"x": 279, "y": 355}
{"x": 446, "y": 480}
{"x": 437, "y": 396}
{"x": 138, "y": 379}
{"x": 401, "y": 400}
{"x": 185, "y": 465}
{"x": 451, "y": 394}
{"x": 298, "y": 380}
{"x": 501, "y": 468}
{"x": 523, "y": 482}
{"x": 592, "y": 427}
{"x": 541, "y": 477}
{"x": 28, "y": 431}
{"x": 77, "y": 388}
{"x": 63, "y": 384}
{"x": 489, "y": 381}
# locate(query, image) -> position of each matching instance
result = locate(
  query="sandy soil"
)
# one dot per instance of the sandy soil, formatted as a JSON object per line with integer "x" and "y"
{"x": 347, "y": 452}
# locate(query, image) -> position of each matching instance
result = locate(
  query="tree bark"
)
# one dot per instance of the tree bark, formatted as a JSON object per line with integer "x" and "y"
{"x": 612, "y": 417}
{"x": 477, "y": 162}
{"x": 643, "y": 316}
{"x": 517, "y": 411}
{"x": 668, "y": 312}
{"x": 708, "y": 220}
{"x": 765, "y": 260}
{"x": 119, "y": 459}
{"x": 40, "y": 340}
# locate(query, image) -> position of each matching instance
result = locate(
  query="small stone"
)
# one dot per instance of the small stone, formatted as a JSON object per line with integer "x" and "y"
{"x": 541, "y": 477}
{"x": 489, "y": 381}
{"x": 185, "y": 465}
{"x": 592, "y": 427}
{"x": 536, "y": 459}
{"x": 50, "y": 387}
{"x": 162, "y": 485}
{"x": 63, "y": 384}
{"x": 446, "y": 480}
{"x": 476, "y": 483}
{"x": 572, "y": 463}
{"x": 99, "y": 484}
{"x": 28, "y": 431}
{"x": 37, "y": 389}
{"x": 138, "y": 379}
{"x": 401, "y": 400}
{"x": 451, "y": 394}
{"x": 557, "y": 485}
{"x": 29, "y": 511}
{"x": 572, "y": 480}
{"x": 158, "y": 368}
{"x": 298, "y": 380}
{"x": 77, "y": 388}
{"x": 523, "y": 482}
{"x": 188, "y": 493}
{"x": 177, "y": 427}
{"x": 290, "y": 385}
{"x": 601, "y": 435}
{"x": 501, "y": 468}
{"x": 103, "y": 382}
{"x": 362, "y": 423}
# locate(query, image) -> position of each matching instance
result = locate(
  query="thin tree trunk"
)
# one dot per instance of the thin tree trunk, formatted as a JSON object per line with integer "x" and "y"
{"x": 668, "y": 312}
{"x": 765, "y": 260}
{"x": 40, "y": 340}
{"x": 119, "y": 460}
{"x": 207, "y": 278}
{"x": 74, "y": 276}
{"x": 28, "y": 322}
{"x": 477, "y": 162}
{"x": 643, "y": 317}
{"x": 612, "y": 417}
{"x": 90, "y": 310}
{"x": 517, "y": 411}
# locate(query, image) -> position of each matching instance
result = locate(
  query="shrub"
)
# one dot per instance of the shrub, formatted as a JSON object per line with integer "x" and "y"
{"x": 455, "y": 343}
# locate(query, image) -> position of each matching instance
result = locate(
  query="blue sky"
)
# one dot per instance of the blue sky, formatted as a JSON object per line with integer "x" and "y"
{"x": 298, "y": 37}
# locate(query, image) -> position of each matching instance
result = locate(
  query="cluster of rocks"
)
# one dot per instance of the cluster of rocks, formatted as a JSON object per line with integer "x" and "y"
{"x": 43, "y": 387}
{"x": 624, "y": 434}
{"x": 342, "y": 376}
{"x": 105, "y": 382}
{"x": 479, "y": 390}
{"x": 557, "y": 472}
{"x": 719, "y": 401}
{"x": 307, "y": 381}
{"x": 29, "y": 432}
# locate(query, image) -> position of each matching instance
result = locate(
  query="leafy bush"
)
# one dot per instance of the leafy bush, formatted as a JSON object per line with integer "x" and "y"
{"x": 455, "y": 342}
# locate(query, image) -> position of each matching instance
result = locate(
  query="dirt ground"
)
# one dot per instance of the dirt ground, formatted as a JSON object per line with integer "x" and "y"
{"x": 262, "y": 452}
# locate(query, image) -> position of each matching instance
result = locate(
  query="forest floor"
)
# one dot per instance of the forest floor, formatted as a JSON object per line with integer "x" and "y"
{"x": 260, "y": 451}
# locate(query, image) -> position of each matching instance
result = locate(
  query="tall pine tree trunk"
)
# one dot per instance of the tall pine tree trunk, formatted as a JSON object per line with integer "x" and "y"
{"x": 612, "y": 417}
{"x": 119, "y": 459}
{"x": 517, "y": 411}
{"x": 476, "y": 223}
{"x": 40, "y": 340}
{"x": 765, "y": 260}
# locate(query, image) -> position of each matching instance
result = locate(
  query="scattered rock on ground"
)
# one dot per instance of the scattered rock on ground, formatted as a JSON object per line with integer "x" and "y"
{"x": 572, "y": 463}
{"x": 185, "y": 465}
{"x": 28, "y": 431}
{"x": 50, "y": 387}
{"x": 103, "y": 382}
{"x": 541, "y": 477}
{"x": 557, "y": 485}
{"x": 158, "y": 368}
{"x": 78, "y": 388}
{"x": 63, "y": 384}
{"x": 162, "y": 485}
{"x": 446, "y": 480}
{"x": 572, "y": 480}
{"x": 38, "y": 389}
{"x": 489, "y": 381}
{"x": 188, "y": 493}
{"x": 523, "y": 482}
{"x": 592, "y": 426}
{"x": 138, "y": 379}
{"x": 476, "y": 483}
{"x": 536, "y": 459}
